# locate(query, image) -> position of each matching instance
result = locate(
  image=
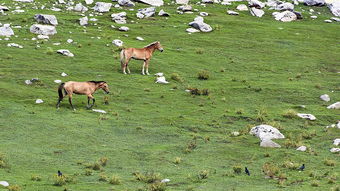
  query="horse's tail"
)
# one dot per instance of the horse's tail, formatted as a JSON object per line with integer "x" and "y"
{"x": 122, "y": 57}
{"x": 60, "y": 90}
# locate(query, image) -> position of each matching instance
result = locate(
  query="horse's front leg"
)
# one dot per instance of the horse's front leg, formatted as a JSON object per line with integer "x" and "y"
{"x": 143, "y": 73}
{"x": 70, "y": 100}
{"x": 147, "y": 67}
{"x": 89, "y": 97}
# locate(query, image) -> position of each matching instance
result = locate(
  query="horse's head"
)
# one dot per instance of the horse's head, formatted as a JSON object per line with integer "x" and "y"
{"x": 158, "y": 46}
{"x": 105, "y": 87}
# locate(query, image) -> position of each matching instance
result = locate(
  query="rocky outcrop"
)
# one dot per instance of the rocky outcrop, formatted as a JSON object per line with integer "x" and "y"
{"x": 334, "y": 7}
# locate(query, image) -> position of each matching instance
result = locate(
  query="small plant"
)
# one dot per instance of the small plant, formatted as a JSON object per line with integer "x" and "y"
{"x": 14, "y": 188}
{"x": 62, "y": 180}
{"x": 203, "y": 75}
{"x": 318, "y": 86}
{"x": 239, "y": 111}
{"x": 176, "y": 77}
{"x": 332, "y": 179}
{"x": 103, "y": 161}
{"x": 88, "y": 172}
{"x": 106, "y": 100}
{"x": 315, "y": 183}
{"x": 290, "y": 113}
{"x": 103, "y": 177}
{"x": 308, "y": 135}
{"x": 35, "y": 177}
{"x": 93, "y": 166}
{"x": 115, "y": 180}
{"x": 177, "y": 160}
{"x": 157, "y": 186}
{"x": 199, "y": 50}
{"x": 237, "y": 169}
{"x": 49, "y": 51}
{"x": 270, "y": 170}
{"x": 266, "y": 155}
{"x": 261, "y": 115}
{"x": 3, "y": 162}
{"x": 148, "y": 177}
{"x": 290, "y": 165}
{"x": 329, "y": 162}
{"x": 191, "y": 146}
{"x": 203, "y": 174}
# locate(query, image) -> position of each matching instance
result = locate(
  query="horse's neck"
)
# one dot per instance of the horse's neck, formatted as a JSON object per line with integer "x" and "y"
{"x": 151, "y": 49}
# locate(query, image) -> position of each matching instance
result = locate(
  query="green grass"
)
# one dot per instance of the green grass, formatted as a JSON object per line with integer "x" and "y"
{"x": 266, "y": 72}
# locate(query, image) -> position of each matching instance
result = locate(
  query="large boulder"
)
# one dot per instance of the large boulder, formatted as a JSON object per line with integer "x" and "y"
{"x": 334, "y": 106}
{"x": 269, "y": 143}
{"x": 256, "y": 3}
{"x": 80, "y": 8}
{"x": 155, "y": 3}
{"x": 46, "y": 19}
{"x": 119, "y": 18}
{"x": 336, "y": 142}
{"x": 65, "y": 52}
{"x": 266, "y": 132}
{"x": 102, "y": 7}
{"x": 182, "y": 2}
{"x": 184, "y": 8}
{"x": 6, "y": 30}
{"x": 242, "y": 7}
{"x": 314, "y": 2}
{"x": 3, "y": 8}
{"x": 4, "y": 183}
{"x": 285, "y": 6}
{"x": 335, "y": 8}
{"x": 325, "y": 97}
{"x": 285, "y": 16}
{"x": 126, "y": 3}
{"x": 199, "y": 24}
{"x": 43, "y": 29}
{"x": 256, "y": 12}
{"x": 146, "y": 12}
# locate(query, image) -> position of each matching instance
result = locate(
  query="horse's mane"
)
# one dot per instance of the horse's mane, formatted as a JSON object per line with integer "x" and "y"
{"x": 97, "y": 82}
{"x": 151, "y": 44}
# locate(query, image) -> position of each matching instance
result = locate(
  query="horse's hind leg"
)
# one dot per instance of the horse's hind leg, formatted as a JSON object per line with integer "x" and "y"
{"x": 59, "y": 100}
{"x": 147, "y": 67}
{"x": 89, "y": 97}
{"x": 128, "y": 69}
{"x": 70, "y": 100}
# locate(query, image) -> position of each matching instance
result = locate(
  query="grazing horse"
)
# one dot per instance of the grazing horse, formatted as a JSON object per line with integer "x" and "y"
{"x": 144, "y": 54}
{"x": 83, "y": 88}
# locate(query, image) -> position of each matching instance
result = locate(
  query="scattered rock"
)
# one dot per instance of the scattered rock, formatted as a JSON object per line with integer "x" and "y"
{"x": 57, "y": 81}
{"x": 14, "y": 45}
{"x": 80, "y": 8}
{"x": 302, "y": 148}
{"x": 88, "y": 2}
{"x": 46, "y": 19}
{"x": 84, "y": 21}
{"x": 28, "y": 82}
{"x": 307, "y": 116}
{"x": 39, "y": 101}
{"x": 69, "y": 41}
{"x": 285, "y": 16}
{"x": 4, "y": 183}
{"x": 124, "y": 28}
{"x": 325, "y": 97}
{"x": 336, "y": 142}
{"x": 232, "y": 12}
{"x": 335, "y": 19}
{"x": 235, "y": 133}
{"x": 99, "y": 110}
{"x": 117, "y": 42}
{"x": 266, "y": 132}
{"x": 285, "y": 6}
{"x": 155, "y": 3}
{"x": 165, "y": 180}
{"x": 42, "y": 37}
{"x": 43, "y": 29}
{"x": 256, "y": 3}
{"x": 182, "y": 2}
{"x": 6, "y": 30}
{"x": 161, "y": 80}
{"x": 242, "y": 7}
{"x": 146, "y": 12}
{"x": 119, "y": 18}
{"x": 185, "y": 8}
{"x": 65, "y": 52}
{"x": 25, "y": 1}
{"x": 139, "y": 38}
{"x": 269, "y": 143}
{"x": 313, "y": 16}
{"x": 126, "y": 3}
{"x": 328, "y": 21}
{"x": 335, "y": 150}
{"x": 63, "y": 74}
{"x": 102, "y": 7}
{"x": 314, "y": 2}
{"x": 334, "y": 7}
{"x": 334, "y": 106}
{"x": 191, "y": 30}
{"x": 163, "y": 13}
{"x": 3, "y": 8}
{"x": 204, "y": 14}
{"x": 256, "y": 12}
{"x": 199, "y": 24}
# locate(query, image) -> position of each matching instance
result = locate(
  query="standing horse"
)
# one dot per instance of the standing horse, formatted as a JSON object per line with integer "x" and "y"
{"x": 83, "y": 88}
{"x": 144, "y": 54}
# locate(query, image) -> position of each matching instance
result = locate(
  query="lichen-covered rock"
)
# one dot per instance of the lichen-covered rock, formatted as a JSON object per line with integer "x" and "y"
{"x": 6, "y": 30}
{"x": 46, "y": 19}
{"x": 102, "y": 7}
{"x": 43, "y": 29}
{"x": 314, "y": 2}
{"x": 256, "y": 12}
{"x": 334, "y": 106}
{"x": 266, "y": 132}
{"x": 285, "y": 16}
{"x": 199, "y": 24}
{"x": 269, "y": 143}
{"x": 334, "y": 7}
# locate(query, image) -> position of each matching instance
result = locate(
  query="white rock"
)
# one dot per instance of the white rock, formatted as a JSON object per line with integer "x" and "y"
{"x": 55, "y": 9}
{"x": 307, "y": 116}
{"x": 25, "y": 1}
{"x": 56, "y": 43}
{"x": 314, "y": 2}
{"x": 182, "y": 2}
{"x": 6, "y": 30}
{"x": 61, "y": 1}
{"x": 117, "y": 42}
{"x": 335, "y": 19}
{"x": 285, "y": 16}
{"x": 4, "y": 183}
{"x": 99, "y": 110}
{"x": 285, "y": 6}
{"x": 84, "y": 21}
{"x": 313, "y": 16}
{"x": 192, "y": 30}
{"x": 161, "y": 80}
{"x": 338, "y": 124}
{"x": 4, "y": 8}
{"x": 146, "y": 12}
{"x": 80, "y": 8}
{"x": 256, "y": 3}
{"x": 232, "y": 12}
{"x": 43, "y": 29}
{"x": 119, "y": 18}
{"x": 334, "y": 7}
{"x": 235, "y": 133}
{"x": 155, "y": 3}
{"x": 336, "y": 142}
{"x": 327, "y": 21}
{"x": 124, "y": 28}
{"x": 256, "y": 12}
{"x": 325, "y": 97}
{"x": 14, "y": 45}
{"x": 199, "y": 24}
{"x": 88, "y": 2}
{"x": 302, "y": 148}
{"x": 159, "y": 74}
{"x": 242, "y": 7}
{"x": 334, "y": 106}
{"x": 102, "y": 7}
{"x": 63, "y": 74}
{"x": 28, "y": 82}
{"x": 46, "y": 19}
{"x": 204, "y": 14}
{"x": 57, "y": 81}
{"x": 165, "y": 180}
{"x": 126, "y": 3}
{"x": 163, "y": 13}
{"x": 139, "y": 38}
{"x": 39, "y": 101}
{"x": 69, "y": 41}
{"x": 42, "y": 37}
{"x": 266, "y": 132}
{"x": 185, "y": 8}
{"x": 269, "y": 143}
{"x": 65, "y": 52}
{"x": 335, "y": 150}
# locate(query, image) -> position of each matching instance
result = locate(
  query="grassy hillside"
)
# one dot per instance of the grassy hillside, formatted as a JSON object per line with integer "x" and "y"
{"x": 259, "y": 68}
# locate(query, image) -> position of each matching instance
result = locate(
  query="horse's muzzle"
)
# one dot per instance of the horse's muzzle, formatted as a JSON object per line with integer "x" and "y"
{"x": 161, "y": 50}
{"x": 107, "y": 92}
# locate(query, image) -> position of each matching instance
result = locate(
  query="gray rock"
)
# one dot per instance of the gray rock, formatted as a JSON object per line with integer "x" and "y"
{"x": 199, "y": 24}
{"x": 65, "y": 52}
{"x": 4, "y": 183}
{"x": 191, "y": 30}
{"x": 266, "y": 132}
{"x": 256, "y": 12}
{"x": 334, "y": 7}
{"x": 124, "y": 28}
{"x": 43, "y": 29}
{"x": 6, "y": 30}
{"x": 334, "y": 106}
{"x": 155, "y": 3}
{"x": 302, "y": 148}
{"x": 284, "y": 7}
{"x": 325, "y": 97}
{"x": 39, "y": 101}
{"x": 46, "y": 19}
{"x": 285, "y": 16}
{"x": 314, "y": 2}
{"x": 269, "y": 143}
{"x": 185, "y": 8}
{"x": 102, "y": 7}
{"x": 4, "y": 8}
{"x": 88, "y": 2}
{"x": 25, "y": 1}
{"x": 83, "y": 21}
{"x": 14, "y": 45}
{"x": 298, "y": 15}
{"x": 232, "y": 12}
{"x": 139, "y": 38}
{"x": 336, "y": 142}
{"x": 126, "y": 3}
{"x": 242, "y": 7}
{"x": 207, "y": 1}
{"x": 80, "y": 8}
{"x": 146, "y": 12}
{"x": 163, "y": 13}
{"x": 335, "y": 19}
{"x": 256, "y": 3}
{"x": 335, "y": 150}
{"x": 182, "y": 2}
{"x": 306, "y": 116}
{"x": 119, "y": 18}
{"x": 204, "y": 14}
{"x": 117, "y": 42}
{"x": 42, "y": 37}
